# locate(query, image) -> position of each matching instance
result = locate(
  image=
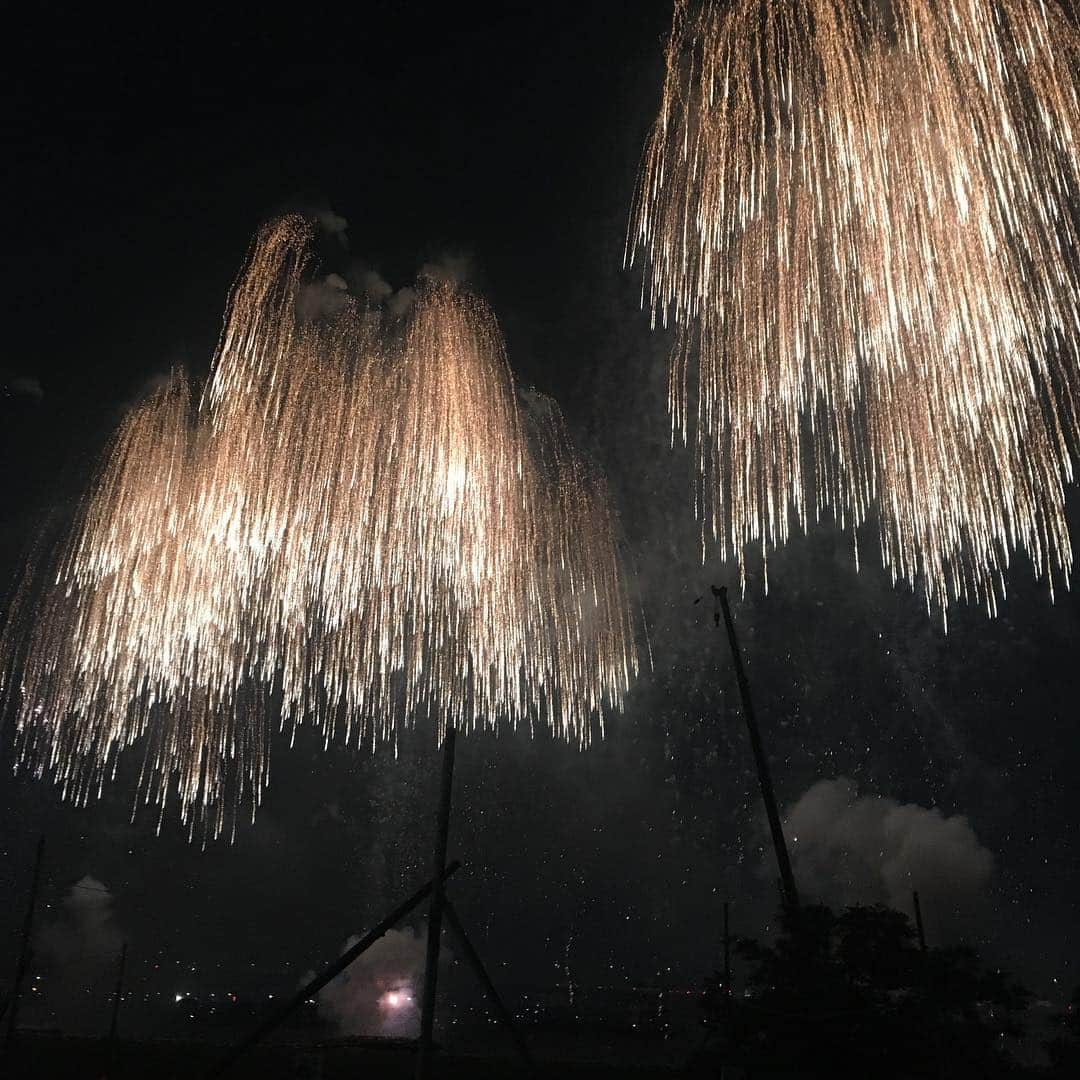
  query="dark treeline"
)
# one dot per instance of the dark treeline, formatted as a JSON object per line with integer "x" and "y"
{"x": 853, "y": 994}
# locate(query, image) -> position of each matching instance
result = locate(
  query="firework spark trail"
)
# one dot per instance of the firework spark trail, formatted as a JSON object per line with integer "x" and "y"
{"x": 355, "y": 525}
{"x": 860, "y": 219}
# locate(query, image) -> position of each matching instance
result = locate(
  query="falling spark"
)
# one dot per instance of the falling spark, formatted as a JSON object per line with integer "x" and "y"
{"x": 355, "y": 526}
{"x": 860, "y": 218}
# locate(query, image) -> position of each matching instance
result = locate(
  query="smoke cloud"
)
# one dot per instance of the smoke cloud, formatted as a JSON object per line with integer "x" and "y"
{"x": 379, "y": 994}
{"x": 448, "y": 270}
{"x": 373, "y": 285}
{"x": 77, "y": 951}
{"x": 26, "y": 386}
{"x": 399, "y": 304}
{"x": 327, "y": 296}
{"x": 848, "y": 848}
{"x": 85, "y": 928}
{"x": 332, "y": 223}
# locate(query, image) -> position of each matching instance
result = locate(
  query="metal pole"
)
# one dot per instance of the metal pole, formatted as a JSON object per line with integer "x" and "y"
{"x": 501, "y": 1011}
{"x": 435, "y": 913}
{"x": 117, "y": 998}
{"x": 787, "y": 878}
{"x": 727, "y": 954}
{"x": 936, "y": 1039}
{"x": 328, "y": 973}
{"x": 918, "y": 921}
{"x": 24, "y": 950}
{"x": 118, "y": 993}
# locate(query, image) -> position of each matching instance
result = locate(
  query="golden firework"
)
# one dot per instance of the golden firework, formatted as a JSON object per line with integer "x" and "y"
{"x": 861, "y": 219}
{"x": 356, "y": 526}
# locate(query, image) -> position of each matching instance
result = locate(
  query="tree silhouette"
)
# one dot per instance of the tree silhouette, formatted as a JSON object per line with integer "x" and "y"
{"x": 852, "y": 995}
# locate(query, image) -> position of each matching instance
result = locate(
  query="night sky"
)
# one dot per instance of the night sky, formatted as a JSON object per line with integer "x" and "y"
{"x": 143, "y": 154}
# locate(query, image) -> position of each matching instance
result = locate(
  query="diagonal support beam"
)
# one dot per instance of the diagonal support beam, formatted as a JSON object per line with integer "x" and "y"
{"x": 497, "y": 1005}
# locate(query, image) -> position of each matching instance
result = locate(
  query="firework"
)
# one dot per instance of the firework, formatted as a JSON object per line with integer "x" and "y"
{"x": 859, "y": 217}
{"x": 356, "y": 526}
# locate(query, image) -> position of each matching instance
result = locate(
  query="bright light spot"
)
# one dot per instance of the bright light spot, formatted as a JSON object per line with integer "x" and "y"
{"x": 396, "y": 999}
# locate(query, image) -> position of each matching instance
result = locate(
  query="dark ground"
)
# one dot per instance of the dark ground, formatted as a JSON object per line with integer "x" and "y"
{"x": 45, "y": 1057}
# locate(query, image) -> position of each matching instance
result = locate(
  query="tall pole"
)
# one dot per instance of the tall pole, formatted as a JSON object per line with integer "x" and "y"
{"x": 118, "y": 995}
{"x": 435, "y": 913}
{"x": 787, "y": 878}
{"x": 727, "y": 954}
{"x": 24, "y": 950}
{"x": 918, "y": 920}
{"x": 927, "y": 978}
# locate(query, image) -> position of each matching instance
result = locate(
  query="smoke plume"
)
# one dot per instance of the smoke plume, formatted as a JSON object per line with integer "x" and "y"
{"x": 25, "y": 386}
{"x": 326, "y": 296}
{"x": 448, "y": 269}
{"x": 85, "y": 927}
{"x": 332, "y": 223}
{"x": 849, "y": 848}
{"x": 76, "y": 952}
{"x": 379, "y": 994}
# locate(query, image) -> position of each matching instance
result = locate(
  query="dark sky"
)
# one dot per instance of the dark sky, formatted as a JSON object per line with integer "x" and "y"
{"x": 143, "y": 154}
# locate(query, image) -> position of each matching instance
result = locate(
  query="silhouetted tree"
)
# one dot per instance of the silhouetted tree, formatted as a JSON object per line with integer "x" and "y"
{"x": 852, "y": 995}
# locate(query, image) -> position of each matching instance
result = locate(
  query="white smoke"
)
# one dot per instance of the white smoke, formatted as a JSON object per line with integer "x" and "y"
{"x": 445, "y": 270}
{"x": 848, "y": 848}
{"x": 85, "y": 928}
{"x": 399, "y": 304}
{"x": 332, "y": 223}
{"x": 26, "y": 386}
{"x": 328, "y": 296}
{"x": 448, "y": 270}
{"x": 77, "y": 949}
{"x": 538, "y": 405}
{"x": 379, "y": 993}
{"x": 374, "y": 285}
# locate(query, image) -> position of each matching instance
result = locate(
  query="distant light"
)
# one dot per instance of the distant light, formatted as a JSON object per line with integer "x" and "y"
{"x": 179, "y": 997}
{"x": 396, "y": 999}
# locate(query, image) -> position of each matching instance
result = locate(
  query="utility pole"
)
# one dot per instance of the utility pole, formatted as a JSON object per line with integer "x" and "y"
{"x": 435, "y": 913}
{"x": 727, "y": 954}
{"x": 118, "y": 993}
{"x": 114, "y": 1023}
{"x": 918, "y": 921}
{"x": 24, "y": 950}
{"x": 787, "y": 878}
{"x": 927, "y": 979}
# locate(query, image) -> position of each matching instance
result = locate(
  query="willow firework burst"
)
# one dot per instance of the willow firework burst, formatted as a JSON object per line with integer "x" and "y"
{"x": 356, "y": 525}
{"x": 861, "y": 218}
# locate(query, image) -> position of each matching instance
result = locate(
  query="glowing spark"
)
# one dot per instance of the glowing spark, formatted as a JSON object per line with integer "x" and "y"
{"x": 355, "y": 526}
{"x": 396, "y": 999}
{"x": 860, "y": 218}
